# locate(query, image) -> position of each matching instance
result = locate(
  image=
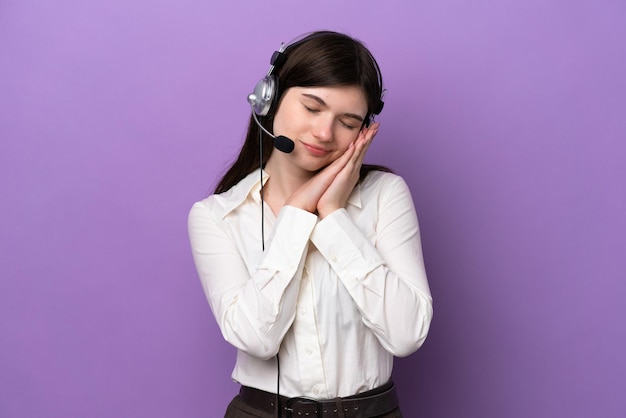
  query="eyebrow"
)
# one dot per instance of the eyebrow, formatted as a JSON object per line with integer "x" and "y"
{"x": 323, "y": 103}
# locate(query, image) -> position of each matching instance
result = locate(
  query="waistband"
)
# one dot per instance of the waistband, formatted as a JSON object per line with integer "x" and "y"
{"x": 372, "y": 403}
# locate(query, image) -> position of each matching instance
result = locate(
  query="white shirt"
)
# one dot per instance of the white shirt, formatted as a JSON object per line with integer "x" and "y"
{"x": 337, "y": 298}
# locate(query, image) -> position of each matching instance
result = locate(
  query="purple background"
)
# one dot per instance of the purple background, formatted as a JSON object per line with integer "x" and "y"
{"x": 507, "y": 119}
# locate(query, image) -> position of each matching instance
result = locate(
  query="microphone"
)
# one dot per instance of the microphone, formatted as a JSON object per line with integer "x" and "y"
{"x": 281, "y": 142}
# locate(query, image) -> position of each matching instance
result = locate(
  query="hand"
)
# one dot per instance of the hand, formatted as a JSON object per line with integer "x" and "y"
{"x": 308, "y": 195}
{"x": 329, "y": 189}
{"x": 336, "y": 194}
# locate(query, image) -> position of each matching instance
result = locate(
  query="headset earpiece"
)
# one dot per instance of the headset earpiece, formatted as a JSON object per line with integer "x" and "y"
{"x": 262, "y": 97}
{"x": 264, "y": 93}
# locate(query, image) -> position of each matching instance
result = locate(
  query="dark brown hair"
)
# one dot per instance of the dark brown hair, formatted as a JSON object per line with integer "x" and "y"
{"x": 321, "y": 59}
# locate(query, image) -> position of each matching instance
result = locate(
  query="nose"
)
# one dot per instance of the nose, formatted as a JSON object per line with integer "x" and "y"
{"x": 322, "y": 128}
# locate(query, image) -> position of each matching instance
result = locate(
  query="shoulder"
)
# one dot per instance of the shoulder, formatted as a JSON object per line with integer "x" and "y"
{"x": 380, "y": 182}
{"x": 210, "y": 208}
{"x": 219, "y": 205}
{"x": 210, "y": 203}
{"x": 384, "y": 190}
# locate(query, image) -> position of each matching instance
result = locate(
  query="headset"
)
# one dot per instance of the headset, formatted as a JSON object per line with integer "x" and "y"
{"x": 265, "y": 92}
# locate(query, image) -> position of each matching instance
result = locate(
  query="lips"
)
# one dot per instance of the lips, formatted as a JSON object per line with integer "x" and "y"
{"x": 314, "y": 150}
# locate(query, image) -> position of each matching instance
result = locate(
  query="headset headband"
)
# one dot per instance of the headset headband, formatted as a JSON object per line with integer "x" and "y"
{"x": 263, "y": 96}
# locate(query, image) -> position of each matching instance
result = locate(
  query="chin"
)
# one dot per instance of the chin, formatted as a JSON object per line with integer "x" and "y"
{"x": 312, "y": 168}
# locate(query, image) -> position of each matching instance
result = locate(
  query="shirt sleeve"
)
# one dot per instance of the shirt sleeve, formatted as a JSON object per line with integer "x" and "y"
{"x": 385, "y": 276}
{"x": 254, "y": 309}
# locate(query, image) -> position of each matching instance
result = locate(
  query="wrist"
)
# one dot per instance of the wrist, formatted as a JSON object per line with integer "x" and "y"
{"x": 322, "y": 213}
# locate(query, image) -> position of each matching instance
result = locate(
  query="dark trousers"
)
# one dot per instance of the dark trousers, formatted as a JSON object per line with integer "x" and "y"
{"x": 238, "y": 409}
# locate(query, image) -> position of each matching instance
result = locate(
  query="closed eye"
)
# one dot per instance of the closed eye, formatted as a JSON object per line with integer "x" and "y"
{"x": 310, "y": 109}
{"x": 347, "y": 125}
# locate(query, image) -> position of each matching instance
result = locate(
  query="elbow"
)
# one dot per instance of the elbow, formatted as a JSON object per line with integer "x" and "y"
{"x": 258, "y": 348}
{"x": 413, "y": 338}
{"x": 261, "y": 340}
{"x": 262, "y": 352}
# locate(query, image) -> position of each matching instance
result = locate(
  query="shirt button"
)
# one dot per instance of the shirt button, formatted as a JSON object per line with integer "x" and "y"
{"x": 316, "y": 391}
{"x": 309, "y": 351}
{"x": 303, "y": 311}
{"x": 333, "y": 259}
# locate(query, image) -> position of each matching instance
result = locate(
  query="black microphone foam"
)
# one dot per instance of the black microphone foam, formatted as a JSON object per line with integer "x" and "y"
{"x": 284, "y": 144}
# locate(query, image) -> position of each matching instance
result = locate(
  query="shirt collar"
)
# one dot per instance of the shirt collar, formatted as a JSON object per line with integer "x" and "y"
{"x": 251, "y": 186}
{"x": 248, "y": 186}
{"x": 355, "y": 197}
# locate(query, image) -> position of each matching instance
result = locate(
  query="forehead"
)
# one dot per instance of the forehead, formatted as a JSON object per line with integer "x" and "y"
{"x": 339, "y": 98}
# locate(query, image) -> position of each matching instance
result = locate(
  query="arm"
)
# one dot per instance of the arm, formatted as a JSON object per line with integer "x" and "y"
{"x": 254, "y": 309}
{"x": 386, "y": 280}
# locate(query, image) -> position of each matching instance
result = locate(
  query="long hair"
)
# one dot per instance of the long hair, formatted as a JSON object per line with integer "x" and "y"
{"x": 321, "y": 59}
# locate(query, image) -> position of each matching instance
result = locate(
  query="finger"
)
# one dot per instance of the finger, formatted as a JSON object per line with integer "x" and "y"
{"x": 365, "y": 140}
{"x": 345, "y": 157}
{"x": 329, "y": 173}
{"x": 368, "y": 134}
{"x": 371, "y": 132}
{"x": 359, "y": 142}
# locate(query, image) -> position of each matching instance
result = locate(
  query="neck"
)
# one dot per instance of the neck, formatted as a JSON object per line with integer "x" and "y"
{"x": 284, "y": 179}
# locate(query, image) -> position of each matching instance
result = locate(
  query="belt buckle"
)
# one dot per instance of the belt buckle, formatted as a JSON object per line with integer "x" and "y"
{"x": 303, "y": 401}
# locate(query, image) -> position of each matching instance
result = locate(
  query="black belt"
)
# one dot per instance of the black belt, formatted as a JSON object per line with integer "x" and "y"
{"x": 373, "y": 403}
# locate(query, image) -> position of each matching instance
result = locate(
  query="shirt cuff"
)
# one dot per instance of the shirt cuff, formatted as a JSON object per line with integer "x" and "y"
{"x": 345, "y": 247}
{"x": 289, "y": 240}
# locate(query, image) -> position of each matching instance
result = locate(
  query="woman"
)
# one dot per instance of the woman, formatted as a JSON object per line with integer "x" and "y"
{"x": 319, "y": 290}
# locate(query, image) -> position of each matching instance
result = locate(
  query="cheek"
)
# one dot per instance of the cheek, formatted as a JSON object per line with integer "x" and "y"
{"x": 285, "y": 120}
{"x": 346, "y": 138}
{"x": 278, "y": 124}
